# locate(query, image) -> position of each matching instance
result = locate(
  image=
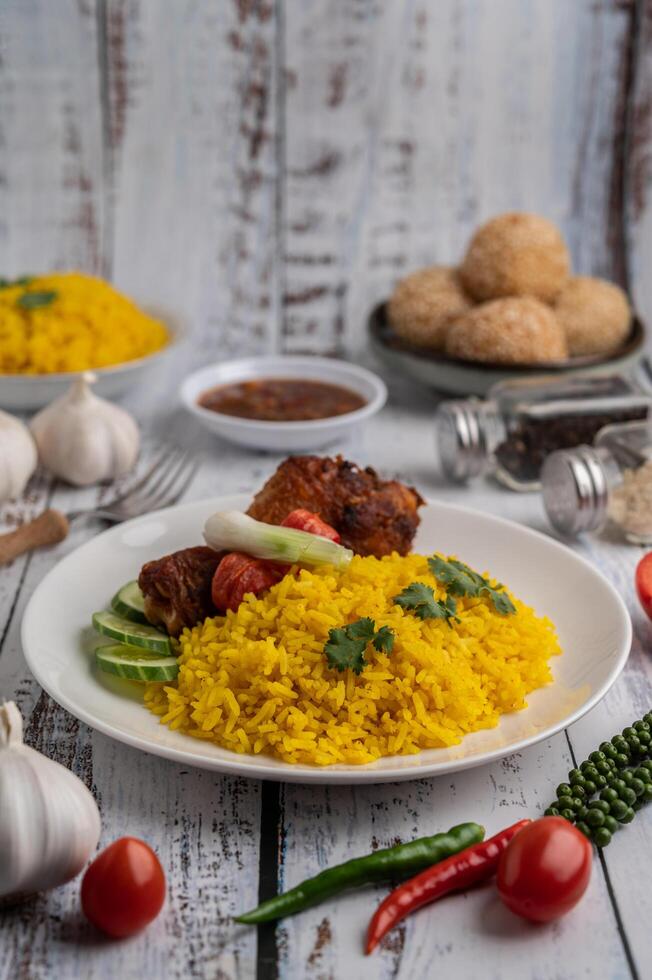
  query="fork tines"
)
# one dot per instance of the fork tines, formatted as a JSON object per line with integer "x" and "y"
{"x": 163, "y": 483}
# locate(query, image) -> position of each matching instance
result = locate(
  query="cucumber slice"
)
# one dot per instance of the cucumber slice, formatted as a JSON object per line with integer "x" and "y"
{"x": 130, "y": 662}
{"x": 133, "y": 634}
{"x": 130, "y": 603}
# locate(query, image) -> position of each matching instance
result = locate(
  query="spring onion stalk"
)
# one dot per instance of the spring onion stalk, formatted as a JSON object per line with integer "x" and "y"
{"x": 230, "y": 530}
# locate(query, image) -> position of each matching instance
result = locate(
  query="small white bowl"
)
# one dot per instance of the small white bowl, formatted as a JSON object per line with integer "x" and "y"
{"x": 285, "y": 436}
{"x": 21, "y": 392}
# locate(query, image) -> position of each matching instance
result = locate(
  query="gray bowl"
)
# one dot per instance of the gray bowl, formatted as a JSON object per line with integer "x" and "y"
{"x": 452, "y": 375}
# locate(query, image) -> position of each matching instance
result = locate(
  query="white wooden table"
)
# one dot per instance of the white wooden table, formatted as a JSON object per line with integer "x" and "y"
{"x": 225, "y": 841}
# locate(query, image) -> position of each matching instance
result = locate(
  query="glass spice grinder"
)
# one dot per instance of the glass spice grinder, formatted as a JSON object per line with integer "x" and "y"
{"x": 521, "y": 422}
{"x": 585, "y": 487}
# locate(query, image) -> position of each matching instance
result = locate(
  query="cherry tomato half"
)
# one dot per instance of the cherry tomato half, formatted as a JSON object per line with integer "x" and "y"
{"x": 644, "y": 582}
{"x": 124, "y": 888}
{"x": 545, "y": 870}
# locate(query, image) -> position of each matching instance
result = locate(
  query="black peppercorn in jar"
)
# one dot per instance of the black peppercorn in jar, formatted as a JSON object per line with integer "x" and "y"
{"x": 513, "y": 432}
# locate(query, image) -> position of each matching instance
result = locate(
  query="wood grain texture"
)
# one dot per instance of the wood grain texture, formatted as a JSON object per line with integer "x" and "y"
{"x": 51, "y": 209}
{"x": 204, "y": 827}
{"x": 407, "y": 124}
{"x": 191, "y": 92}
{"x": 324, "y": 825}
{"x": 638, "y": 173}
{"x": 207, "y": 828}
{"x": 268, "y": 169}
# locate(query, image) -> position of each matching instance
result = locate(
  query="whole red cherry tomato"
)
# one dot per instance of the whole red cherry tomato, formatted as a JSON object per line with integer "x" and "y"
{"x": 644, "y": 582}
{"x": 124, "y": 888}
{"x": 545, "y": 870}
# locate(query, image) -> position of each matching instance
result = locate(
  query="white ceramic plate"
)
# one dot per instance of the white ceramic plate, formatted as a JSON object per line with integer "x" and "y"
{"x": 22, "y": 392}
{"x": 284, "y": 436}
{"x": 592, "y": 621}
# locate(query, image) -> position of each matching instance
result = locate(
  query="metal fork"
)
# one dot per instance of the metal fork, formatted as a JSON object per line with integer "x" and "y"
{"x": 163, "y": 484}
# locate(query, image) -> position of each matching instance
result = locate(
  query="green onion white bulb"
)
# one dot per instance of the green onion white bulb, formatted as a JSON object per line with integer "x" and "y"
{"x": 230, "y": 530}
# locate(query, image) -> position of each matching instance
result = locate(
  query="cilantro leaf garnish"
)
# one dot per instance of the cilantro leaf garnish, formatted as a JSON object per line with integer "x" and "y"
{"x": 36, "y": 299}
{"x": 346, "y": 645}
{"x": 8, "y": 283}
{"x": 362, "y": 629}
{"x": 384, "y": 640}
{"x": 421, "y": 600}
{"x": 502, "y": 603}
{"x": 460, "y": 580}
{"x": 344, "y": 651}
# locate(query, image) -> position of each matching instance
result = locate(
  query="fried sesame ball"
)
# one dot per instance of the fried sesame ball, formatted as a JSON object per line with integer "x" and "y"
{"x": 516, "y": 254}
{"x": 424, "y": 303}
{"x": 594, "y": 314}
{"x": 517, "y": 330}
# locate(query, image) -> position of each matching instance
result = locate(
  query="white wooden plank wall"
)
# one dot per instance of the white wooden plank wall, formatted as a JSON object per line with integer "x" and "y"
{"x": 268, "y": 169}
{"x": 192, "y": 105}
{"x": 639, "y": 165}
{"x": 407, "y": 124}
{"x": 51, "y": 194}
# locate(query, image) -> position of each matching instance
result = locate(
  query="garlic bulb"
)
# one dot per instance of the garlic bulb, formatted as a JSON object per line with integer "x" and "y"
{"x": 84, "y": 439}
{"x": 17, "y": 456}
{"x": 49, "y": 822}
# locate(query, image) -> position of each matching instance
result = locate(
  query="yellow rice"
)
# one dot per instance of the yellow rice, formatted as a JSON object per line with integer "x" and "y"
{"x": 257, "y": 680}
{"x": 88, "y": 324}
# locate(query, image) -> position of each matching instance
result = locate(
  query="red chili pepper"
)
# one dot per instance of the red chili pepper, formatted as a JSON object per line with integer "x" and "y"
{"x": 304, "y": 520}
{"x": 469, "y": 867}
{"x": 238, "y": 574}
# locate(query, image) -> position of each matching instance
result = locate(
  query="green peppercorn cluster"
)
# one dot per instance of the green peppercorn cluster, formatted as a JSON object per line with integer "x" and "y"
{"x": 619, "y": 773}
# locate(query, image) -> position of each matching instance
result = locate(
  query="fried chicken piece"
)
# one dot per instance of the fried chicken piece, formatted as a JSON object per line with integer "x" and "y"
{"x": 177, "y": 588}
{"x": 373, "y": 516}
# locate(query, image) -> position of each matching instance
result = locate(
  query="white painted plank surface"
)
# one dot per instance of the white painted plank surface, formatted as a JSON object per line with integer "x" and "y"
{"x": 206, "y": 828}
{"x": 269, "y": 170}
{"x": 322, "y": 826}
{"x": 51, "y": 202}
{"x": 396, "y": 125}
{"x": 639, "y": 167}
{"x": 192, "y": 108}
{"x": 454, "y": 936}
{"x": 203, "y": 826}
{"x": 408, "y": 124}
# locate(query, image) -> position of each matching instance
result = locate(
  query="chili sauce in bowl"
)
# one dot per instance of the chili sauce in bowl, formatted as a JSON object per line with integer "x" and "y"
{"x": 281, "y": 400}
{"x": 284, "y": 402}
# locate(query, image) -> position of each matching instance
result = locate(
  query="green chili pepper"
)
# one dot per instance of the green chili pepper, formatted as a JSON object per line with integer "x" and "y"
{"x": 391, "y": 863}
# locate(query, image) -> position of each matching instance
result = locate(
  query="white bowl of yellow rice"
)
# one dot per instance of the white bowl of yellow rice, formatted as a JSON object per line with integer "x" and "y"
{"x": 54, "y": 327}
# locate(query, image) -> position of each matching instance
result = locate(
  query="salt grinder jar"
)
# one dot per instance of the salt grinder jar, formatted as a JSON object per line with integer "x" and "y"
{"x": 513, "y": 432}
{"x": 611, "y": 481}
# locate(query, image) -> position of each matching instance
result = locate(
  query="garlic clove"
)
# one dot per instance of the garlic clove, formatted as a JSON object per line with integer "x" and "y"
{"x": 50, "y": 822}
{"x": 84, "y": 439}
{"x": 18, "y": 456}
